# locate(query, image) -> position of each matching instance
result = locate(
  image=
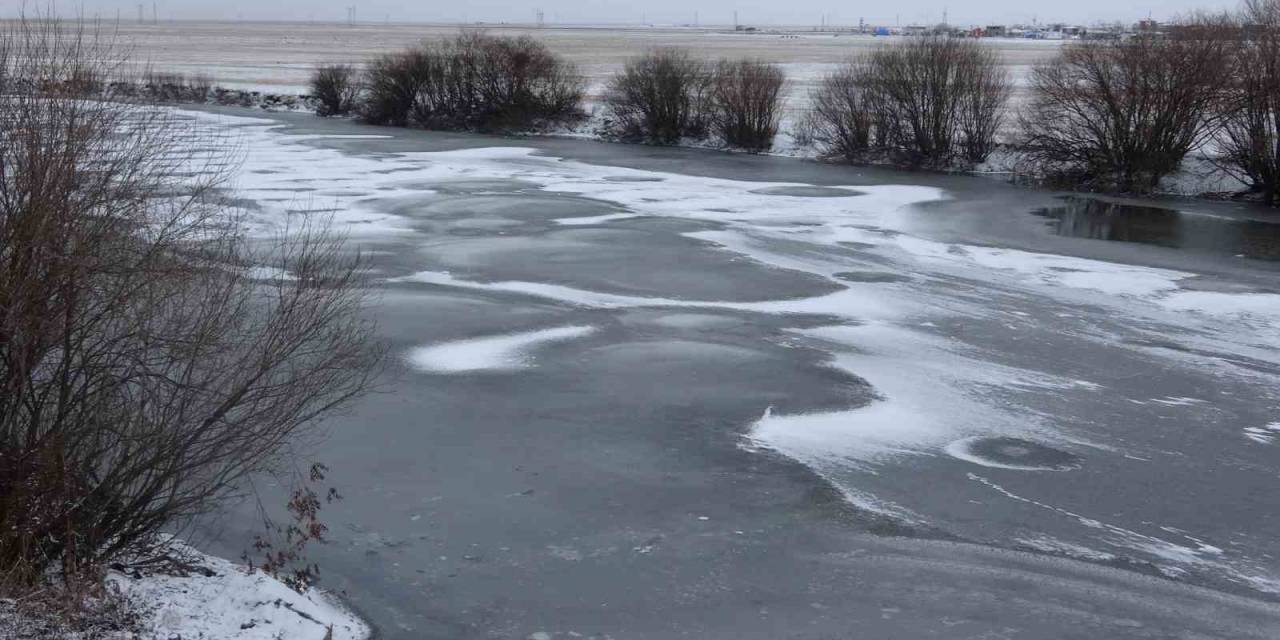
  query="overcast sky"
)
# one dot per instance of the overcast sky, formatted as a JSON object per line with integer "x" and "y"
{"x": 653, "y": 11}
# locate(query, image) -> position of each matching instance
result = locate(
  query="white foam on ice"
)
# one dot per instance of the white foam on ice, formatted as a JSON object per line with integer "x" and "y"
{"x": 930, "y": 392}
{"x": 507, "y": 352}
{"x": 962, "y": 450}
{"x": 1263, "y": 435}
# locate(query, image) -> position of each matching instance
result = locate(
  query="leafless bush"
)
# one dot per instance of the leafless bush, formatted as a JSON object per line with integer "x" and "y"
{"x": 1122, "y": 114}
{"x": 165, "y": 86}
{"x": 144, "y": 373}
{"x": 335, "y": 88}
{"x": 392, "y": 82}
{"x": 661, "y": 97}
{"x": 746, "y": 103}
{"x": 199, "y": 87}
{"x": 1248, "y": 139}
{"x": 984, "y": 87}
{"x": 519, "y": 82}
{"x": 845, "y": 114}
{"x": 473, "y": 81}
{"x": 928, "y": 102}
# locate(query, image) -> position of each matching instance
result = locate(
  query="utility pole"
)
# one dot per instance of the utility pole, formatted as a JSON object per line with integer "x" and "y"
{"x": 735, "y": 19}
{"x": 155, "y": 14}
{"x": 141, "y": 18}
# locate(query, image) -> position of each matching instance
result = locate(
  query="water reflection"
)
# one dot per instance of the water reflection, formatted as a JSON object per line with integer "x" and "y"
{"x": 1101, "y": 220}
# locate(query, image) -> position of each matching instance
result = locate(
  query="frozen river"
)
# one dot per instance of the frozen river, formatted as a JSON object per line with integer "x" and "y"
{"x": 657, "y": 393}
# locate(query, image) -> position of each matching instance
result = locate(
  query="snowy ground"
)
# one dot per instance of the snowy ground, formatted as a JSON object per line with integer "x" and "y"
{"x": 227, "y": 602}
{"x": 626, "y": 368}
{"x": 208, "y": 599}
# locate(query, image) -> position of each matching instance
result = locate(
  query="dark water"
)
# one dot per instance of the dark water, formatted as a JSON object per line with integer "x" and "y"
{"x": 1102, "y": 220}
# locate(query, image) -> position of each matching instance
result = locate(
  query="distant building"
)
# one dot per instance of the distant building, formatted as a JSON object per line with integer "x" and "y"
{"x": 996, "y": 31}
{"x": 1147, "y": 26}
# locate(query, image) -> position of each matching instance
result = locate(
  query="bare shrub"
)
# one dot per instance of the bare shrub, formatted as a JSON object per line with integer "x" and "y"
{"x": 335, "y": 88}
{"x": 199, "y": 87}
{"x": 1122, "y": 114}
{"x": 1248, "y": 139}
{"x": 473, "y": 81}
{"x": 845, "y": 114}
{"x": 165, "y": 86}
{"x": 518, "y": 81}
{"x": 746, "y": 103}
{"x": 392, "y": 82}
{"x": 926, "y": 102}
{"x": 661, "y": 97}
{"x": 942, "y": 98}
{"x": 985, "y": 87}
{"x": 144, "y": 371}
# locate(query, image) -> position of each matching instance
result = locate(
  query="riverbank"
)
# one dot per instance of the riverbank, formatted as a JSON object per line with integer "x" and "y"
{"x": 198, "y": 597}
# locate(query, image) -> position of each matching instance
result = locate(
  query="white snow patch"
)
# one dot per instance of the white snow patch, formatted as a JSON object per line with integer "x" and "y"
{"x": 930, "y": 393}
{"x": 269, "y": 273}
{"x": 1264, "y": 305}
{"x": 235, "y": 604}
{"x": 492, "y": 353}
{"x": 1263, "y": 435}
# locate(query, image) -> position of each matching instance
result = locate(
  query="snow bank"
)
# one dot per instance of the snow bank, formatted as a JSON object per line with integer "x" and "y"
{"x": 233, "y": 604}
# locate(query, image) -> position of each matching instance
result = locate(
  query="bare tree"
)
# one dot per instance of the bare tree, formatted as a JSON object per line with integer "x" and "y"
{"x": 392, "y": 85}
{"x": 473, "y": 81}
{"x": 844, "y": 113}
{"x": 1123, "y": 114}
{"x": 746, "y": 103}
{"x": 985, "y": 88}
{"x": 146, "y": 367}
{"x": 661, "y": 97}
{"x": 927, "y": 102}
{"x": 336, "y": 88}
{"x": 1248, "y": 140}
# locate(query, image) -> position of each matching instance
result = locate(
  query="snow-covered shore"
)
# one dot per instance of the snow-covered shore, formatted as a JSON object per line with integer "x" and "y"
{"x": 215, "y": 599}
{"x": 227, "y": 601}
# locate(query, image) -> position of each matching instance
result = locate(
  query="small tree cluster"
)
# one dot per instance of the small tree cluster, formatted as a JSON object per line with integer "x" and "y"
{"x": 336, "y": 89}
{"x": 472, "y": 81}
{"x": 746, "y": 103}
{"x": 1124, "y": 114}
{"x": 667, "y": 95}
{"x": 661, "y": 97}
{"x": 926, "y": 102}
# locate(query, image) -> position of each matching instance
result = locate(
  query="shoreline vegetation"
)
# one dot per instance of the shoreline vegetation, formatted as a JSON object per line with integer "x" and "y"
{"x": 157, "y": 355}
{"x": 1145, "y": 116}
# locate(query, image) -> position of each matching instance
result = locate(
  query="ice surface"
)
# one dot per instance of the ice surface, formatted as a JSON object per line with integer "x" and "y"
{"x": 491, "y": 353}
{"x": 933, "y": 393}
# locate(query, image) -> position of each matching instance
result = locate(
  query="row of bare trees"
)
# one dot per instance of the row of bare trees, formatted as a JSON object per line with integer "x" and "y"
{"x": 1113, "y": 115}
{"x": 146, "y": 368}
